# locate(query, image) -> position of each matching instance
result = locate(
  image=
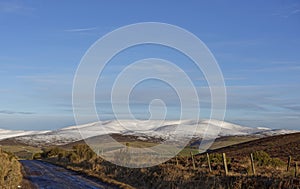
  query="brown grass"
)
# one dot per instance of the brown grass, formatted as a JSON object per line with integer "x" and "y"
{"x": 10, "y": 171}
{"x": 269, "y": 174}
{"x": 280, "y": 146}
{"x": 270, "y": 163}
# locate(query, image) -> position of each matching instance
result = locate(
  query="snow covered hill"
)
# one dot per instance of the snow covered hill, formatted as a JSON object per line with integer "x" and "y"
{"x": 157, "y": 129}
{"x": 15, "y": 133}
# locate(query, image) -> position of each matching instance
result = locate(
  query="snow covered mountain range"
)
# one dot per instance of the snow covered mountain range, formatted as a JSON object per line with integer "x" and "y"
{"x": 157, "y": 129}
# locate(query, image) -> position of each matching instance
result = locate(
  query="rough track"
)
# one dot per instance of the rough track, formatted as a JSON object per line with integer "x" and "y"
{"x": 47, "y": 176}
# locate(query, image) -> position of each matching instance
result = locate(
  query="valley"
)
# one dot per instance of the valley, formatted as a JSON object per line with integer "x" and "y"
{"x": 64, "y": 148}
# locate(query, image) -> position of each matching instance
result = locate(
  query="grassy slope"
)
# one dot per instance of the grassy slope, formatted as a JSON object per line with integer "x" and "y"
{"x": 183, "y": 175}
{"x": 276, "y": 146}
{"x": 136, "y": 143}
{"x": 23, "y": 151}
{"x": 231, "y": 140}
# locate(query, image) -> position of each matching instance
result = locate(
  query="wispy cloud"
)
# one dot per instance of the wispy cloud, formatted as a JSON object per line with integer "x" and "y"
{"x": 48, "y": 79}
{"x": 295, "y": 12}
{"x": 291, "y": 13}
{"x": 81, "y": 29}
{"x": 11, "y": 67}
{"x": 264, "y": 97}
{"x": 280, "y": 67}
{"x": 15, "y": 112}
{"x": 288, "y": 11}
{"x": 14, "y": 7}
{"x": 293, "y": 107}
{"x": 6, "y": 91}
{"x": 236, "y": 43}
{"x": 272, "y": 66}
{"x": 225, "y": 78}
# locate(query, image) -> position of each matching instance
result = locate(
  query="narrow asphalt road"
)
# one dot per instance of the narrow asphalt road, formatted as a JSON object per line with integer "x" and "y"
{"x": 47, "y": 176}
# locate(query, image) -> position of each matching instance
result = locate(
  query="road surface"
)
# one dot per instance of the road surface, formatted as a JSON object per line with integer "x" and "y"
{"x": 47, "y": 176}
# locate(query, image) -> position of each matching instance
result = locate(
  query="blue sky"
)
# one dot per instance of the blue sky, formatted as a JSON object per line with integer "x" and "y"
{"x": 256, "y": 44}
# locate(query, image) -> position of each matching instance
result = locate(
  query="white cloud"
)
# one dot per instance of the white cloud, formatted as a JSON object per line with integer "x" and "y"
{"x": 15, "y": 112}
{"x": 81, "y": 29}
{"x": 14, "y": 7}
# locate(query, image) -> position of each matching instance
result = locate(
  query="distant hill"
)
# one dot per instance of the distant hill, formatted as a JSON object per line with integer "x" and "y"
{"x": 164, "y": 130}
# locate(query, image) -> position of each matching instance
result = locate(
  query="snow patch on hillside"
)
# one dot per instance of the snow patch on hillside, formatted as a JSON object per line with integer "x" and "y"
{"x": 15, "y": 133}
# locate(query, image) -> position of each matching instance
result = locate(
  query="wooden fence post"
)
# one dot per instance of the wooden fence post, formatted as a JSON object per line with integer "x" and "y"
{"x": 208, "y": 161}
{"x": 187, "y": 160}
{"x": 176, "y": 160}
{"x": 296, "y": 169}
{"x": 193, "y": 160}
{"x": 127, "y": 147}
{"x": 252, "y": 164}
{"x": 289, "y": 163}
{"x": 225, "y": 164}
